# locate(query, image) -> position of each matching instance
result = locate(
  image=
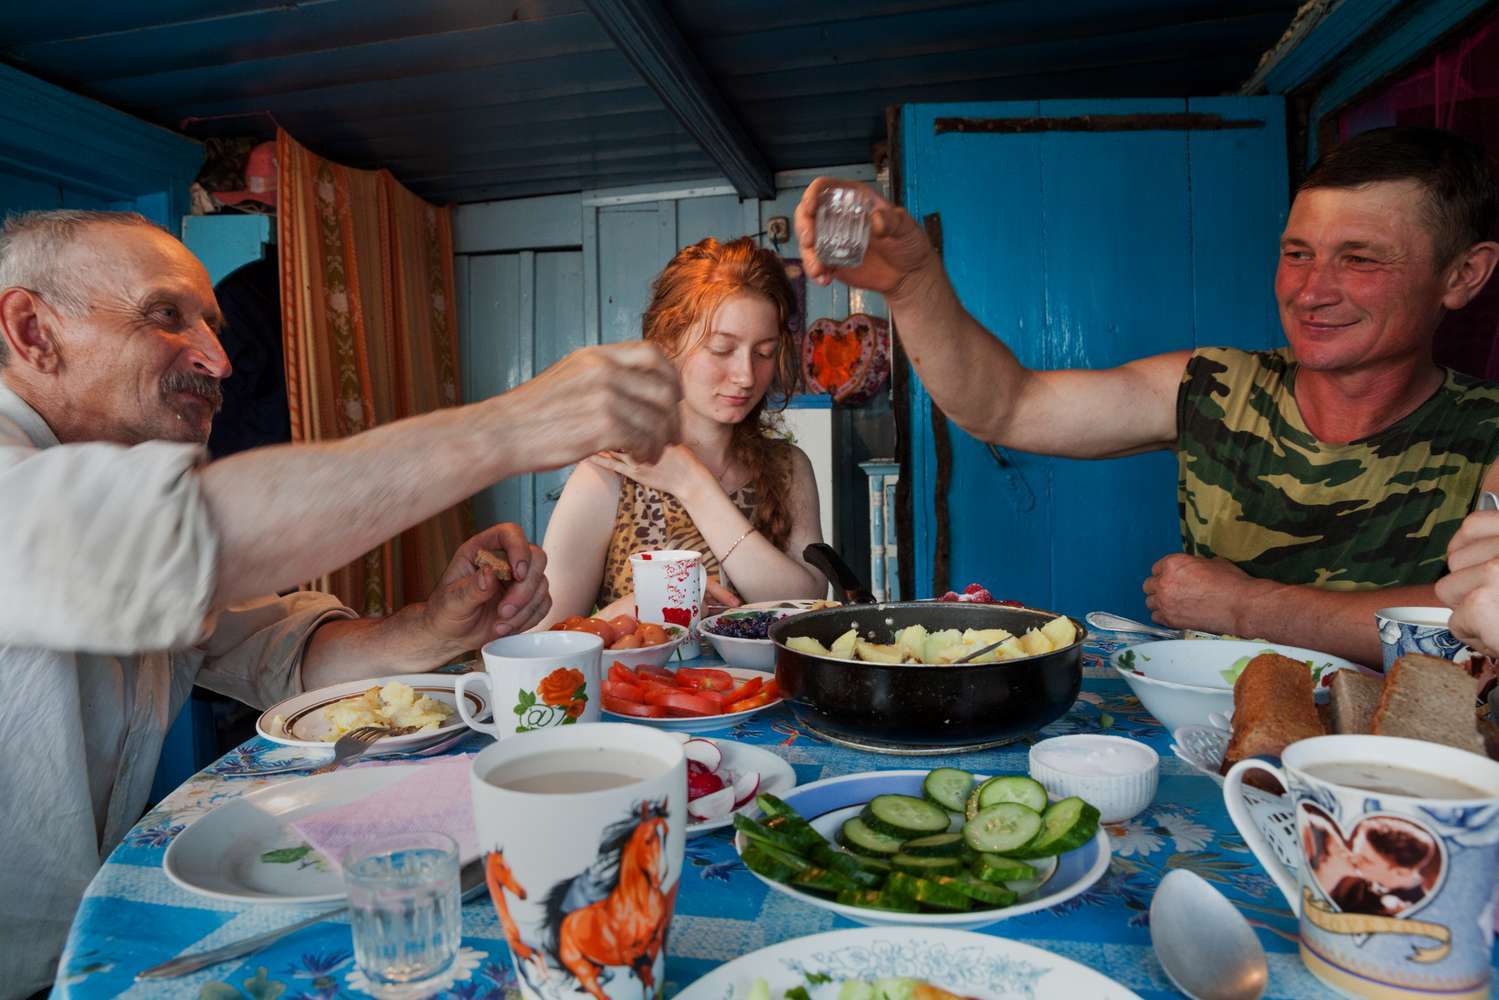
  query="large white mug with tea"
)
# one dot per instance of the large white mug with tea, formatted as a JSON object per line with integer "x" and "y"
{"x": 583, "y": 831}
{"x": 537, "y": 680}
{"x": 669, "y": 589}
{"x": 1396, "y": 852}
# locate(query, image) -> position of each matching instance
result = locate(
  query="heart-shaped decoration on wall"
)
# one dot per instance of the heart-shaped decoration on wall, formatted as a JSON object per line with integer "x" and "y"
{"x": 849, "y": 360}
{"x": 1385, "y": 866}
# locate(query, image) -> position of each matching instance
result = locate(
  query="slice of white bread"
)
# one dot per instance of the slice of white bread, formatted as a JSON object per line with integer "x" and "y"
{"x": 1354, "y": 696}
{"x": 1427, "y": 698}
{"x": 1273, "y": 708}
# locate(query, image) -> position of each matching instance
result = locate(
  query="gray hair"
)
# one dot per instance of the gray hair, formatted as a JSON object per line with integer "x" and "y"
{"x": 32, "y": 245}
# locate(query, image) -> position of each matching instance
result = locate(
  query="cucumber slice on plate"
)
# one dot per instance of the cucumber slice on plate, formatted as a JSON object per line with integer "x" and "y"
{"x": 948, "y": 787}
{"x": 822, "y": 880}
{"x": 875, "y": 899}
{"x": 1066, "y": 825}
{"x": 904, "y": 816}
{"x": 1012, "y": 788}
{"x": 927, "y": 892}
{"x": 925, "y": 864}
{"x": 774, "y": 864}
{"x": 980, "y": 892}
{"x": 1002, "y": 829}
{"x": 847, "y": 865}
{"x": 945, "y": 845}
{"x": 997, "y": 870}
{"x": 760, "y": 833}
{"x": 856, "y": 835}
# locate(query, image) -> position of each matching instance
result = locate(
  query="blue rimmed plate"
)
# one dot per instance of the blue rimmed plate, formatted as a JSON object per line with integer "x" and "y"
{"x": 828, "y": 803}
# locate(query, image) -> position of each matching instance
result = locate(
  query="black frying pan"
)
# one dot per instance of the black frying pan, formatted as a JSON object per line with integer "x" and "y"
{"x": 898, "y": 708}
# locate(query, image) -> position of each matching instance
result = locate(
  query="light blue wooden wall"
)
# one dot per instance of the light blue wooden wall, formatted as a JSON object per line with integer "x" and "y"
{"x": 1086, "y": 250}
{"x": 539, "y": 277}
{"x": 59, "y": 150}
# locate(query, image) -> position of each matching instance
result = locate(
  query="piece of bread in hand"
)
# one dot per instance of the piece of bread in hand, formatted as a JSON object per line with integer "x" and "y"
{"x": 1428, "y": 698}
{"x": 1273, "y": 708}
{"x": 501, "y": 569}
{"x": 1354, "y": 698}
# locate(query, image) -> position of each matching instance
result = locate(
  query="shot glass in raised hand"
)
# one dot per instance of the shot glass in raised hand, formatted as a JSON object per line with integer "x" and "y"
{"x": 843, "y": 219}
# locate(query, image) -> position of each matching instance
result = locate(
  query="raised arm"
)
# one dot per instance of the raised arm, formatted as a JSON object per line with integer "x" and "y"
{"x": 113, "y": 548}
{"x": 975, "y": 378}
{"x": 288, "y": 513}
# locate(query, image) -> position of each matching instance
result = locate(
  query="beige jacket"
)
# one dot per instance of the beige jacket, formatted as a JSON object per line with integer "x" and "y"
{"x": 107, "y": 567}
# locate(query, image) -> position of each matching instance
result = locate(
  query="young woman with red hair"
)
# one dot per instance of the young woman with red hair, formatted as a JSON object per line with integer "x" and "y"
{"x": 733, "y": 489}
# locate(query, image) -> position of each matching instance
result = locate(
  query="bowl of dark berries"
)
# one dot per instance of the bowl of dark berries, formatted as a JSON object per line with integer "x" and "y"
{"x": 741, "y": 636}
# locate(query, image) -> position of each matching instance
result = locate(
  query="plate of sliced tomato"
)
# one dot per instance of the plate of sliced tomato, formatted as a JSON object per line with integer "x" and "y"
{"x": 687, "y": 699}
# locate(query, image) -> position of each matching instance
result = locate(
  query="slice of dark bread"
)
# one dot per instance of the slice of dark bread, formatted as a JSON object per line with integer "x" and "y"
{"x": 1354, "y": 696}
{"x": 1428, "y": 698}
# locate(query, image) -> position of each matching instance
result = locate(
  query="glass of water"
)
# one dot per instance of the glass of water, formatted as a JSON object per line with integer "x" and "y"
{"x": 404, "y": 908}
{"x": 843, "y": 215}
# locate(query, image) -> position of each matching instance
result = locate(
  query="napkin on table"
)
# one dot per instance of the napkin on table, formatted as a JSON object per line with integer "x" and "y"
{"x": 434, "y": 799}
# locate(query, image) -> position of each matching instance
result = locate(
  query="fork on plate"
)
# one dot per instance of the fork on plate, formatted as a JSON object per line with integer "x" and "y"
{"x": 352, "y": 745}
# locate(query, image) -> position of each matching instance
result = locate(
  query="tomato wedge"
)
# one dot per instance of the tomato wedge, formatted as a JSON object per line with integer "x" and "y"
{"x": 620, "y": 707}
{"x": 744, "y": 690}
{"x": 680, "y": 702}
{"x": 705, "y": 678}
{"x": 767, "y": 694}
{"x": 619, "y": 672}
{"x": 624, "y": 691}
{"x": 660, "y": 673}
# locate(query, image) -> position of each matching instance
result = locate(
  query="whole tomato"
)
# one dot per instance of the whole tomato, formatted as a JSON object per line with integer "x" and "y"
{"x": 651, "y": 634}
{"x": 630, "y": 641}
{"x": 594, "y": 627}
{"x": 623, "y": 625}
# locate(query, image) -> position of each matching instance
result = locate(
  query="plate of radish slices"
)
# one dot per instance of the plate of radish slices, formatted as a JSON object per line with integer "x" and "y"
{"x": 724, "y": 776}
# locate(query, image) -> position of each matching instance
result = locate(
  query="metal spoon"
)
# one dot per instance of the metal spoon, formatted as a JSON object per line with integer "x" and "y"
{"x": 1118, "y": 623}
{"x": 470, "y": 881}
{"x": 966, "y": 657}
{"x": 1204, "y": 943}
{"x": 1488, "y": 501}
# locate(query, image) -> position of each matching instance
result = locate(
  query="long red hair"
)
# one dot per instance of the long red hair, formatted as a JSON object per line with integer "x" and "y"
{"x": 684, "y": 298}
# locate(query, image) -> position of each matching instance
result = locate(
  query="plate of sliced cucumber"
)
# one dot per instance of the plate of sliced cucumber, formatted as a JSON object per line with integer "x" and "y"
{"x": 943, "y": 848}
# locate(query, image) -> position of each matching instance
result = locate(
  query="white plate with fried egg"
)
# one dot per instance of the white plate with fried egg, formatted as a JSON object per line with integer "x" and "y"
{"x": 313, "y": 720}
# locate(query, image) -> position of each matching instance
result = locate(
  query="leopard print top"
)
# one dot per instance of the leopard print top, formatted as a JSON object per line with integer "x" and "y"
{"x": 650, "y": 519}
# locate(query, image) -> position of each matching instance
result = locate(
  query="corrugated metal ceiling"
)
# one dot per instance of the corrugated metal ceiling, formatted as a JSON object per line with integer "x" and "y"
{"x": 468, "y": 101}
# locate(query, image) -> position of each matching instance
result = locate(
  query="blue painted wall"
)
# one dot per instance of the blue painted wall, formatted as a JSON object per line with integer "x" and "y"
{"x": 1086, "y": 250}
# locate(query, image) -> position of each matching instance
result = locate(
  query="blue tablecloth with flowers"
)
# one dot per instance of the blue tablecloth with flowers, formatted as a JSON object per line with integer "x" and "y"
{"x": 134, "y": 917}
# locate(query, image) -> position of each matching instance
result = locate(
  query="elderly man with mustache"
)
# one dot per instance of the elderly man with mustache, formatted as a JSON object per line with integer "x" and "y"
{"x": 132, "y": 568}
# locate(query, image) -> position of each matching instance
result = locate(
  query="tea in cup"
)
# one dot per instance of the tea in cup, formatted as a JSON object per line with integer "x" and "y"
{"x": 537, "y": 680}
{"x": 1393, "y": 860}
{"x": 584, "y": 830}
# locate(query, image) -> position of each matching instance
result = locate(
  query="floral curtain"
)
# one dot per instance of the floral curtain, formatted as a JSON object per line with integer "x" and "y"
{"x": 371, "y": 336}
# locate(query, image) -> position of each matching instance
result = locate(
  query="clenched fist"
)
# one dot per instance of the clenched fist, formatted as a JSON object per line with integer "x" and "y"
{"x": 618, "y": 397}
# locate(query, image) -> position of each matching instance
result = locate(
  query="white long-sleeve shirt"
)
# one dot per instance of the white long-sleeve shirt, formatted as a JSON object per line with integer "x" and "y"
{"x": 108, "y": 559}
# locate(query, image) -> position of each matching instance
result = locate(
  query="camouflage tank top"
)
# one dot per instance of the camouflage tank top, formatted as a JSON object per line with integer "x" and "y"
{"x": 1258, "y": 488}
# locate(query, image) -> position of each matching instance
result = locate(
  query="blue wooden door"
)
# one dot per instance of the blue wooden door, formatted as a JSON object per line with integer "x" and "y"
{"x": 1086, "y": 249}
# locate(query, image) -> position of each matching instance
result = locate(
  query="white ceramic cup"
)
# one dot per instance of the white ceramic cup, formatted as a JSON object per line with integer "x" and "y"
{"x": 669, "y": 589}
{"x": 536, "y": 681}
{"x": 1394, "y": 892}
{"x": 584, "y": 883}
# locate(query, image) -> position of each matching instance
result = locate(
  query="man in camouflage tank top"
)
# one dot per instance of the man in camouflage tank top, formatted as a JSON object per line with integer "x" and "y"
{"x": 1317, "y": 483}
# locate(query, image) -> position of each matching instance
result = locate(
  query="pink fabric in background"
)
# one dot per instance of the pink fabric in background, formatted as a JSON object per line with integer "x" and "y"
{"x": 434, "y": 799}
{"x": 1456, "y": 87}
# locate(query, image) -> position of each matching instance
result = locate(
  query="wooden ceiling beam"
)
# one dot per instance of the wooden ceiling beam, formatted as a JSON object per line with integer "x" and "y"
{"x": 656, "y": 47}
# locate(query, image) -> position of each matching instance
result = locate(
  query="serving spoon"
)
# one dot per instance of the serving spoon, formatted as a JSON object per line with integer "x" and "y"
{"x": 1204, "y": 943}
{"x": 1118, "y": 623}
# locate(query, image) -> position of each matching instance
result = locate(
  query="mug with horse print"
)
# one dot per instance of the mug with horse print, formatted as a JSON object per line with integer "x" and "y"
{"x": 583, "y": 830}
{"x": 1387, "y": 850}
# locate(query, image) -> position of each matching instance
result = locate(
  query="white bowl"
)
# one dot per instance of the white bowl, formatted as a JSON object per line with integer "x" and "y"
{"x": 752, "y": 654}
{"x": 1180, "y": 681}
{"x": 649, "y": 656}
{"x": 1118, "y": 776}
